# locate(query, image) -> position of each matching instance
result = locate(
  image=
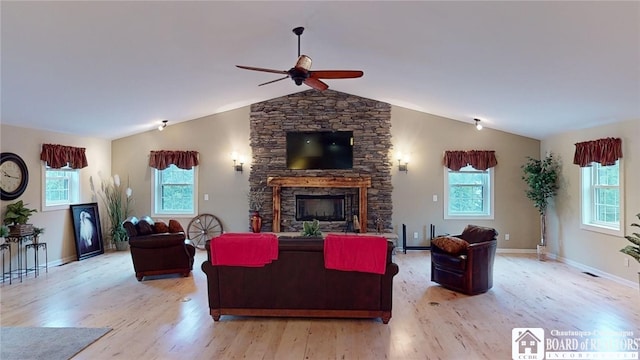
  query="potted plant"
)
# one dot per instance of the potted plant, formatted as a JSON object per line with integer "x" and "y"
{"x": 118, "y": 202}
{"x": 37, "y": 231}
{"x": 633, "y": 250}
{"x": 542, "y": 178}
{"x": 17, "y": 216}
{"x": 4, "y": 232}
{"x": 311, "y": 229}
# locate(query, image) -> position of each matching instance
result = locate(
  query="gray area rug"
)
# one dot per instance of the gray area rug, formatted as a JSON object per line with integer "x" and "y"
{"x": 34, "y": 343}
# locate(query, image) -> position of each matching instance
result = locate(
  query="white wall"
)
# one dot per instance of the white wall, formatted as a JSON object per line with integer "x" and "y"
{"x": 566, "y": 238}
{"x": 426, "y": 137}
{"x": 214, "y": 137}
{"x": 59, "y": 234}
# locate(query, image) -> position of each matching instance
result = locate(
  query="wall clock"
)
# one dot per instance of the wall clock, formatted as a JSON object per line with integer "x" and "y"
{"x": 14, "y": 176}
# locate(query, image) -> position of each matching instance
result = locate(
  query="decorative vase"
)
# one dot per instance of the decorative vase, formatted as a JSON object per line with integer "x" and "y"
{"x": 542, "y": 247}
{"x": 121, "y": 245}
{"x": 543, "y": 229}
{"x": 256, "y": 222}
{"x": 542, "y": 252}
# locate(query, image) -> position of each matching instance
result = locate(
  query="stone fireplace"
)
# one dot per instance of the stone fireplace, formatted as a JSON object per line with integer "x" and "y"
{"x": 366, "y": 188}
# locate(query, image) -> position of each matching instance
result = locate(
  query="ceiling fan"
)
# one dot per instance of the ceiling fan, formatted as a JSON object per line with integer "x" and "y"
{"x": 301, "y": 72}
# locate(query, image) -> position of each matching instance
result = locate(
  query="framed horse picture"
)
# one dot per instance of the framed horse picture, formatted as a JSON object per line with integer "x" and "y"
{"x": 88, "y": 235}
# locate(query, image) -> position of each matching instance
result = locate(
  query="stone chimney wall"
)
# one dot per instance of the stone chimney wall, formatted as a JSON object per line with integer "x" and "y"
{"x": 328, "y": 110}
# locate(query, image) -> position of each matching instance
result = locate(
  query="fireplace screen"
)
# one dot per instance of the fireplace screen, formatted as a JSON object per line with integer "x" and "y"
{"x": 321, "y": 207}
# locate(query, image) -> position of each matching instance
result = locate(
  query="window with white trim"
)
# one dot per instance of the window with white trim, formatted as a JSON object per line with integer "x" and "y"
{"x": 468, "y": 193}
{"x": 61, "y": 188}
{"x": 602, "y": 198}
{"x": 174, "y": 191}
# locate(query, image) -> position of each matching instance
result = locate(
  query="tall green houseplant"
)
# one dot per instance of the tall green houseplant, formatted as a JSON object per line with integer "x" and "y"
{"x": 542, "y": 178}
{"x": 633, "y": 250}
{"x": 118, "y": 202}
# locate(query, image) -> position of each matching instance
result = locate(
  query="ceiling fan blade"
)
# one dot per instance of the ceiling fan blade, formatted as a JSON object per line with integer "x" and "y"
{"x": 262, "y": 69}
{"x": 335, "y": 74}
{"x": 316, "y": 84}
{"x": 272, "y": 81}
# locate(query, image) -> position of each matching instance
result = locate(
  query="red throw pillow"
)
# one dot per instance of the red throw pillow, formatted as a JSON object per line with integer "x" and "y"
{"x": 175, "y": 227}
{"x": 160, "y": 227}
{"x": 450, "y": 244}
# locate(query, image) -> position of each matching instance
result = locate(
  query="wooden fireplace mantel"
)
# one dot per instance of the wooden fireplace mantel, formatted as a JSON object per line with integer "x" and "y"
{"x": 361, "y": 183}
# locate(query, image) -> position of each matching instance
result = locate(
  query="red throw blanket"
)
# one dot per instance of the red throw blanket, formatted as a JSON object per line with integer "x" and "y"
{"x": 356, "y": 253}
{"x": 244, "y": 249}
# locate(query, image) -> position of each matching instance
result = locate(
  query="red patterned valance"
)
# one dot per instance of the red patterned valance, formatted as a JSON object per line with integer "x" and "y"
{"x": 59, "y": 156}
{"x": 479, "y": 159}
{"x": 604, "y": 151}
{"x": 162, "y": 159}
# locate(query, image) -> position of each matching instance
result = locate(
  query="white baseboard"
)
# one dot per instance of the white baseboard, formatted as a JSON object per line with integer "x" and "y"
{"x": 575, "y": 264}
{"x": 595, "y": 271}
{"x": 62, "y": 261}
{"x": 515, "y": 251}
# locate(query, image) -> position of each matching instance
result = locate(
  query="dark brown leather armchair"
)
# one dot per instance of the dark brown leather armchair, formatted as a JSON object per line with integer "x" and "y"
{"x": 158, "y": 253}
{"x": 464, "y": 262}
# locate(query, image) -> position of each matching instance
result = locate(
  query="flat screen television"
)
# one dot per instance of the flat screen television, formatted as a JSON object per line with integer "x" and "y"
{"x": 307, "y": 150}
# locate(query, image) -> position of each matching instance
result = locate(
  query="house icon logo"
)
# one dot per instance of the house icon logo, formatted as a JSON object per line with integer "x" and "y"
{"x": 527, "y": 343}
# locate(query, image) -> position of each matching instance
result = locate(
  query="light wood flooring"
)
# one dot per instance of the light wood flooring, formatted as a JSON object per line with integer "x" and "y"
{"x": 168, "y": 317}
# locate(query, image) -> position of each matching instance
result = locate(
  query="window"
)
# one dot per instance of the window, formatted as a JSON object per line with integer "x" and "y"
{"x": 61, "y": 188}
{"x": 602, "y": 208}
{"x": 174, "y": 191}
{"x": 468, "y": 193}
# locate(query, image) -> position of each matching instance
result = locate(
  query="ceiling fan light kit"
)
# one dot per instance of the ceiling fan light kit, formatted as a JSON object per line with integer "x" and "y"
{"x": 478, "y": 125}
{"x": 301, "y": 72}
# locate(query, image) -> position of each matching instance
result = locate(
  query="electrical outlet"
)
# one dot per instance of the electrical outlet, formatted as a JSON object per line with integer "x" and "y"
{"x": 435, "y": 198}
{"x": 506, "y": 237}
{"x": 206, "y": 197}
{"x": 415, "y": 235}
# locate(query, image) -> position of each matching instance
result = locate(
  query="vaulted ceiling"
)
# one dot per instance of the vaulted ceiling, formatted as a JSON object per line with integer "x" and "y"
{"x": 114, "y": 68}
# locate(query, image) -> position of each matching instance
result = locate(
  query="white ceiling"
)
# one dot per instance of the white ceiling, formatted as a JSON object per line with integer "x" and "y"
{"x": 111, "y": 69}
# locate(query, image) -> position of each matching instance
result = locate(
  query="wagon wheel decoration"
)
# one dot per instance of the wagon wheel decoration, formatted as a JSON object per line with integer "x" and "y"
{"x": 202, "y": 228}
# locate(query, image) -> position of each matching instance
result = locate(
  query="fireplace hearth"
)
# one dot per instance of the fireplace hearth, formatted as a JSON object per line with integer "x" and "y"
{"x": 320, "y": 207}
{"x": 355, "y": 204}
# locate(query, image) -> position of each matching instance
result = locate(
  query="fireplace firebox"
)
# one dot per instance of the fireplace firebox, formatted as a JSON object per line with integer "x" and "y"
{"x": 320, "y": 207}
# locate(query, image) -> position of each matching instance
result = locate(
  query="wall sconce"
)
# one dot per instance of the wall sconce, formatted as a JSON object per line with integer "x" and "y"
{"x": 403, "y": 162}
{"x": 238, "y": 161}
{"x": 478, "y": 125}
{"x": 163, "y": 125}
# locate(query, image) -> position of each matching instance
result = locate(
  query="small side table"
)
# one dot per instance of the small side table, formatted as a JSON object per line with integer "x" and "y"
{"x": 36, "y": 264}
{"x": 19, "y": 240}
{"x": 6, "y": 247}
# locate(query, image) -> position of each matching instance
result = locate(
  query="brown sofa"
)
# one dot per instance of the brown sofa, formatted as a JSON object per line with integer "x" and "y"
{"x": 158, "y": 253}
{"x": 465, "y": 262}
{"x": 298, "y": 284}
